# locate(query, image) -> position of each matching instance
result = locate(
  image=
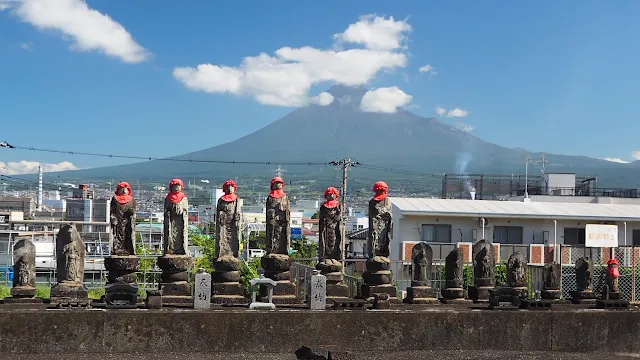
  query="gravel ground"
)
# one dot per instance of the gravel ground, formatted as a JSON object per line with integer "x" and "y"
{"x": 407, "y": 355}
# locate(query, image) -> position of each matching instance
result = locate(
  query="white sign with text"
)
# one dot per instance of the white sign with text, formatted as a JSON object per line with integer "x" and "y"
{"x": 601, "y": 235}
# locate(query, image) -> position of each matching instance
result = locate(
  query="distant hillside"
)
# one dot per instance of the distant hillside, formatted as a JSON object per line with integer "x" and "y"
{"x": 401, "y": 140}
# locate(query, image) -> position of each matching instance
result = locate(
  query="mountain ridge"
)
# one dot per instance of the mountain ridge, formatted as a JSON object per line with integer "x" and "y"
{"x": 340, "y": 130}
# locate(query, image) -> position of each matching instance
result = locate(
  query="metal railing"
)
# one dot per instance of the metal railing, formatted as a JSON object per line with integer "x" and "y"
{"x": 580, "y": 191}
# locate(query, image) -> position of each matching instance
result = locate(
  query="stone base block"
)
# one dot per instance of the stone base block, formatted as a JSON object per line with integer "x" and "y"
{"x": 550, "y": 294}
{"x": 22, "y": 300}
{"x": 452, "y": 293}
{"x": 283, "y": 300}
{"x": 381, "y": 301}
{"x": 613, "y": 295}
{"x": 23, "y": 291}
{"x": 461, "y": 301}
{"x": 69, "y": 290}
{"x": 484, "y": 282}
{"x": 175, "y": 263}
{"x": 69, "y": 303}
{"x": 536, "y": 304}
{"x": 180, "y": 288}
{"x": 583, "y": 297}
{"x": 479, "y": 294}
{"x": 230, "y": 288}
{"x": 380, "y": 277}
{"x": 153, "y": 300}
{"x": 121, "y": 296}
{"x": 229, "y": 300}
{"x": 276, "y": 262}
{"x": 329, "y": 266}
{"x": 422, "y": 295}
{"x": 282, "y": 288}
{"x": 177, "y": 301}
{"x": 378, "y": 263}
{"x": 350, "y": 304}
{"x": 227, "y": 263}
{"x": 334, "y": 277}
{"x": 337, "y": 291}
{"x": 612, "y": 304}
{"x": 523, "y": 292}
{"x": 367, "y": 292}
{"x": 504, "y": 297}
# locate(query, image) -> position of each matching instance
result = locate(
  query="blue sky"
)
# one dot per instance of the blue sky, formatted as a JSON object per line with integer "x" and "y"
{"x": 557, "y": 77}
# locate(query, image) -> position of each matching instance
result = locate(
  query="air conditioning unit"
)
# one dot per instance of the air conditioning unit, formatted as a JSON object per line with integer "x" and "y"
{"x": 486, "y": 222}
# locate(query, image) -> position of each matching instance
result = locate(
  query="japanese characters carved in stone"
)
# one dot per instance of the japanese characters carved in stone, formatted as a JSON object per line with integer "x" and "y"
{"x": 278, "y": 219}
{"x": 176, "y": 220}
{"x": 380, "y": 223}
{"x": 123, "y": 221}
{"x": 330, "y": 227}
{"x": 228, "y": 216}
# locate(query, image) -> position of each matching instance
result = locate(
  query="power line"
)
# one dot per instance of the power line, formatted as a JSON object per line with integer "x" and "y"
{"x": 150, "y": 158}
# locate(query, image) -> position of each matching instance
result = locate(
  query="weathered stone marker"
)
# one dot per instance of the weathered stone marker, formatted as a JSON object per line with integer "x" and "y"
{"x": 317, "y": 291}
{"x": 483, "y": 271}
{"x": 421, "y": 291}
{"x": 70, "y": 254}
{"x": 24, "y": 273}
{"x": 202, "y": 294}
{"x": 517, "y": 274}
{"x": 453, "y": 291}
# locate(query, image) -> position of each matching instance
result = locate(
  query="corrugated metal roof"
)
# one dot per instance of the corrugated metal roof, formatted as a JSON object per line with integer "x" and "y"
{"x": 516, "y": 209}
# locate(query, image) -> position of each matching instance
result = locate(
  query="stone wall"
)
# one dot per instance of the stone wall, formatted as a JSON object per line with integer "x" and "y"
{"x": 69, "y": 332}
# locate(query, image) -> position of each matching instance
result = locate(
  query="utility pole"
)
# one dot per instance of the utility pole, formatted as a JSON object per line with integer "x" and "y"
{"x": 526, "y": 177}
{"x": 346, "y": 164}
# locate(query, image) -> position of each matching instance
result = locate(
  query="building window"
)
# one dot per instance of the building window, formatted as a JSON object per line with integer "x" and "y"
{"x": 436, "y": 233}
{"x": 635, "y": 237}
{"x": 507, "y": 234}
{"x": 360, "y": 227}
{"x": 574, "y": 236}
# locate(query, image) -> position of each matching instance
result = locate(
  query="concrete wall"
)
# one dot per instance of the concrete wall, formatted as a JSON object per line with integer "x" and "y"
{"x": 100, "y": 332}
{"x": 408, "y": 228}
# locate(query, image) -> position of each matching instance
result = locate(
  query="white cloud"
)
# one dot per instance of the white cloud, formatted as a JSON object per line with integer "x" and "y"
{"x": 636, "y": 155}
{"x": 616, "y": 160}
{"x": 428, "y": 69}
{"x": 4, "y": 5}
{"x": 25, "y": 46}
{"x": 88, "y": 29}
{"x": 440, "y": 111}
{"x": 463, "y": 126}
{"x": 285, "y": 78}
{"x": 384, "y": 100}
{"x": 323, "y": 99}
{"x": 376, "y": 33}
{"x": 457, "y": 112}
{"x": 31, "y": 167}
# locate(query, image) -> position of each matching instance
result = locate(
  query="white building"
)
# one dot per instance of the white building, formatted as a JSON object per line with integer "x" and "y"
{"x": 532, "y": 226}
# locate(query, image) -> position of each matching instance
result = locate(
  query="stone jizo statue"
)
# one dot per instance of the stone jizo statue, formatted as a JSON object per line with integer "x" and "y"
{"x": 380, "y": 223}
{"x": 330, "y": 227}
{"x": 228, "y": 216}
{"x": 176, "y": 220}
{"x": 70, "y": 251}
{"x": 422, "y": 256}
{"x": 278, "y": 219}
{"x": 516, "y": 270}
{"x": 123, "y": 221}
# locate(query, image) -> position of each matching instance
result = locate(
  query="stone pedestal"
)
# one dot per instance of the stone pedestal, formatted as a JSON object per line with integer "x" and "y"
{"x": 421, "y": 293}
{"x": 68, "y": 293}
{"x": 317, "y": 291}
{"x": 504, "y": 297}
{"x": 453, "y": 293}
{"x": 121, "y": 290}
{"x": 276, "y": 267}
{"x": 174, "y": 281}
{"x": 226, "y": 287}
{"x": 332, "y": 270}
{"x": 23, "y": 295}
{"x": 550, "y": 294}
{"x": 377, "y": 279}
{"x": 480, "y": 292}
{"x": 153, "y": 300}
{"x": 583, "y": 297}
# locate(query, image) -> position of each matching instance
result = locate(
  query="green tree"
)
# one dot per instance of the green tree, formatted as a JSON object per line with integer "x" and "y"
{"x": 207, "y": 245}
{"x": 316, "y": 215}
{"x": 304, "y": 250}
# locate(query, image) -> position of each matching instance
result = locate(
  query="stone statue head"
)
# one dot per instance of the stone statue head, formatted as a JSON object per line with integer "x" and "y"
{"x": 122, "y": 191}
{"x": 176, "y": 186}
{"x": 229, "y": 187}
{"x": 331, "y": 193}
{"x": 277, "y": 183}
{"x": 381, "y": 190}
